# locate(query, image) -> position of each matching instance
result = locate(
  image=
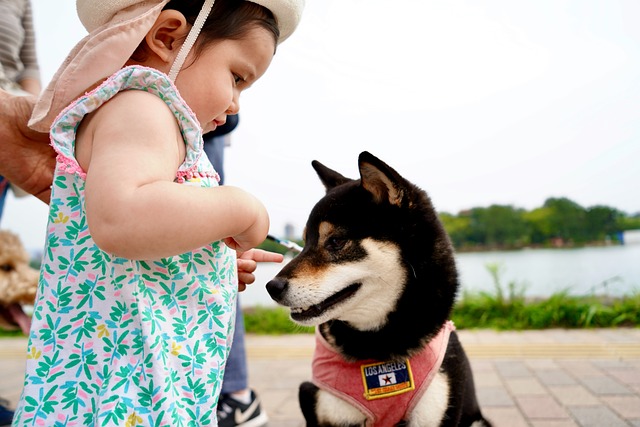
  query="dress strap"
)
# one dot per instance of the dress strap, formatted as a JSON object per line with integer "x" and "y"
{"x": 63, "y": 130}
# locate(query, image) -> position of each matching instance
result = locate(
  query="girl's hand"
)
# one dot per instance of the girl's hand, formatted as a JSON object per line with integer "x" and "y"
{"x": 248, "y": 262}
{"x": 254, "y": 233}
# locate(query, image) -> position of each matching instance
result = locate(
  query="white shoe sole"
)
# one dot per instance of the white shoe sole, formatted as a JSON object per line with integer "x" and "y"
{"x": 260, "y": 421}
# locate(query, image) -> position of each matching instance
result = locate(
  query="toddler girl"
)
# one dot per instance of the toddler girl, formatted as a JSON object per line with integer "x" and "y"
{"x": 137, "y": 289}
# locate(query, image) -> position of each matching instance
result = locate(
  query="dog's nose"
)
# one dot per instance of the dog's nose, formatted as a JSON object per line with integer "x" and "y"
{"x": 276, "y": 288}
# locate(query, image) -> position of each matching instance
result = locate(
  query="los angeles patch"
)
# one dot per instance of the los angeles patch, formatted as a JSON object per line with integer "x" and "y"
{"x": 387, "y": 379}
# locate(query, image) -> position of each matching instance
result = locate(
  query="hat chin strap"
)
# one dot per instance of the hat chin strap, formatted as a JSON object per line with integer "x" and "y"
{"x": 191, "y": 39}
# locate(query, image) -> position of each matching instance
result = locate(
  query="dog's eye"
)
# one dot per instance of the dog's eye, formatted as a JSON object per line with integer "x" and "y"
{"x": 335, "y": 243}
{"x": 6, "y": 267}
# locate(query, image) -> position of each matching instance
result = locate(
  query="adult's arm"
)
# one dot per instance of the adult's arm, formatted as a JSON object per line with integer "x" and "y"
{"x": 29, "y": 78}
{"x": 26, "y": 158}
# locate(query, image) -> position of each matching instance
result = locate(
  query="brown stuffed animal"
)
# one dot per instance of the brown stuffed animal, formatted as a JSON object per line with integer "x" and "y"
{"x": 18, "y": 283}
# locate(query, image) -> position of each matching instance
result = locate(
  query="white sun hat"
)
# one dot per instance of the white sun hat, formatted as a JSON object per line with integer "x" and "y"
{"x": 94, "y": 14}
{"x": 116, "y": 28}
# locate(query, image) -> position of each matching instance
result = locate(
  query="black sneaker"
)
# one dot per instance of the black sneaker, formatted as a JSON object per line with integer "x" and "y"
{"x": 6, "y": 414}
{"x": 232, "y": 413}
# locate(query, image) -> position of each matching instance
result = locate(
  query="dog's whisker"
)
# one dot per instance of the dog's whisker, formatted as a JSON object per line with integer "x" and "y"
{"x": 413, "y": 270}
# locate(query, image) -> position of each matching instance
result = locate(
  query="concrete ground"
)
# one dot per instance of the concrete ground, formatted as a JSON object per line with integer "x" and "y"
{"x": 550, "y": 378}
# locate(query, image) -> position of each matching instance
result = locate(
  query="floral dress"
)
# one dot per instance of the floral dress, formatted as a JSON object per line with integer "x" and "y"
{"x": 117, "y": 341}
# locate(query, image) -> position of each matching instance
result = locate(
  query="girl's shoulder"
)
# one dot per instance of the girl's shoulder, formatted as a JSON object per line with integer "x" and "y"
{"x": 130, "y": 78}
{"x": 145, "y": 79}
{"x": 151, "y": 90}
{"x": 144, "y": 104}
{"x": 134, "y": 105}
{"x": 139, "y": 114}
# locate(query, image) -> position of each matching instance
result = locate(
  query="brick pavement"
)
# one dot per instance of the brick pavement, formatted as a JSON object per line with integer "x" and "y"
{"x": 551, "y": 378}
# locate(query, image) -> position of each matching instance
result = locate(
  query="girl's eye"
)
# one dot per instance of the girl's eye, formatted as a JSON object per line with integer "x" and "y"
{"x": 237, "y": 79}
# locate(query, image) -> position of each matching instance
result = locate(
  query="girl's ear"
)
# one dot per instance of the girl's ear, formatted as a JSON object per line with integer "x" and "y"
{"x": 167, "y": 35}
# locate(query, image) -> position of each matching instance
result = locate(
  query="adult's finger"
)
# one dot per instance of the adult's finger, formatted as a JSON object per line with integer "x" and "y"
{"x": 260, "y": 255}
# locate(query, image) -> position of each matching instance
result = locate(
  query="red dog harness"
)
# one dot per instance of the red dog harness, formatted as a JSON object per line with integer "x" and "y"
{"x": 386, "y": 392}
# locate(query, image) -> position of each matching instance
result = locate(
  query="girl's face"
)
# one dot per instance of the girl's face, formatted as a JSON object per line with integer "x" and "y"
{"x": 212, "y": 84}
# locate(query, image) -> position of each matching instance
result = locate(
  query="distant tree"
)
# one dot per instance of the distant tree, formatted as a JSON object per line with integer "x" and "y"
{"x": 498, "y": 225}
{"x": 568, "y": 219}
{"x": 457, "y": 227}
{"x": 506, "y": 226}
{"x": 475, "y": 232}
{"x": 602, "y": 221}
{"x": 559, "y": 218}
{"x": 631, "y": 222}
{"x": 540, "y": 224}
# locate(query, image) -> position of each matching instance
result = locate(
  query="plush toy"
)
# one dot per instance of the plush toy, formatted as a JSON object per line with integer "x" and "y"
{"x": 18, "y": 283}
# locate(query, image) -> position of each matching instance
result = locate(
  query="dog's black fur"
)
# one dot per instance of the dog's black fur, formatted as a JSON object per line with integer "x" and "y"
{"x": 385, "y": 208}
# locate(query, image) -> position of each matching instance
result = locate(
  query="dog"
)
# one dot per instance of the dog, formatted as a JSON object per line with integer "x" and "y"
{"x": 377, "y": 276}
{"x": 18, "y": 283}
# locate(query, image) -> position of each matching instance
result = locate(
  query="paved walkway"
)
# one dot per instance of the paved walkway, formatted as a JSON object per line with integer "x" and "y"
{"x": 551, "y": 378}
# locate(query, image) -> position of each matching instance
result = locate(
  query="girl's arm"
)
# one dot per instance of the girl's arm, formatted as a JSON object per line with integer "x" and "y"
{"x": 131, "y": 149}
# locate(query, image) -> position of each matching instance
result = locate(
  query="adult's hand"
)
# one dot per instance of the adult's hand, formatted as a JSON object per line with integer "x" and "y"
{"x": 26, "y": 158}
{"x": 248, "y": 262}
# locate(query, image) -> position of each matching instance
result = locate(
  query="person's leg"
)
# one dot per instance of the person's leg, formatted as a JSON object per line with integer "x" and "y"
{"x": 6, "y": 414}
{"x": 239, "y": 406}
{"x": 235, "y": 374}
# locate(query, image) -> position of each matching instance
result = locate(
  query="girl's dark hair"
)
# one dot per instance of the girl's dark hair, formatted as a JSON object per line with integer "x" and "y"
{"x": 229, "y": 19}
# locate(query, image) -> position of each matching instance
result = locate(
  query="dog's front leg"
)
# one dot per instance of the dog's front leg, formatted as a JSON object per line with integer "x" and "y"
{"x": 322, "y": 409}
{"x": 308, "y": 396}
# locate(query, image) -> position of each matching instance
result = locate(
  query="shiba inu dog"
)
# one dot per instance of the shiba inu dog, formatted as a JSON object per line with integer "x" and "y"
{"x": 377, "y": 276}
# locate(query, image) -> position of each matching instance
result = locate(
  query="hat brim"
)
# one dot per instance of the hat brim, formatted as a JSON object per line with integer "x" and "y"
{"x": 287, "y": 13}
{"x": 98, "y": 55}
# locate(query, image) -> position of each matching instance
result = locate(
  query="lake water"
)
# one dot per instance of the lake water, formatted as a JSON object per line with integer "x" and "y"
{"x": 613, "y": 269}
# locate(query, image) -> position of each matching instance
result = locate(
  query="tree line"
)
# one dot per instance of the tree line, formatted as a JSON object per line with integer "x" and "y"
{"x": 559, "y": 222}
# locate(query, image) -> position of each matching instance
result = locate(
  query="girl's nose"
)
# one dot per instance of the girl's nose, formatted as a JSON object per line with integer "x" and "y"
{"x": 234, "y": 108}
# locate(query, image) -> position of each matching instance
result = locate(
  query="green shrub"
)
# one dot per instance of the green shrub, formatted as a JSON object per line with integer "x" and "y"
{"x": 511, "y": 310}
{"x": 271, "y": 321}
{"x": 504, "y": 308}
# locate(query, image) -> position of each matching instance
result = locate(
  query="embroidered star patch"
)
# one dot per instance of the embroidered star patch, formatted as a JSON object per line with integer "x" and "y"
{"x": 387, "y": 379}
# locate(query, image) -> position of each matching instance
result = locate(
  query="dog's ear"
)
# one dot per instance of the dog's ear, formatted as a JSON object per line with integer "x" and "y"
{"x": 329, "y": 177}
{"x": 384, "y": 183}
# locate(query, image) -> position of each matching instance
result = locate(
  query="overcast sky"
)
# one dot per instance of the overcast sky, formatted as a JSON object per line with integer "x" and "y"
{"x": 478, "y": 102}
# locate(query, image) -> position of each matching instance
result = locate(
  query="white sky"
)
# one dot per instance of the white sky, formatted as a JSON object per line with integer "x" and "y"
{"x": 478, "y": 102}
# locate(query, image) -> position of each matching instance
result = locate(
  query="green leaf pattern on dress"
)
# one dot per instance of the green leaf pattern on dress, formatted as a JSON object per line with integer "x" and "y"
{"x": 118, "y": 342}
